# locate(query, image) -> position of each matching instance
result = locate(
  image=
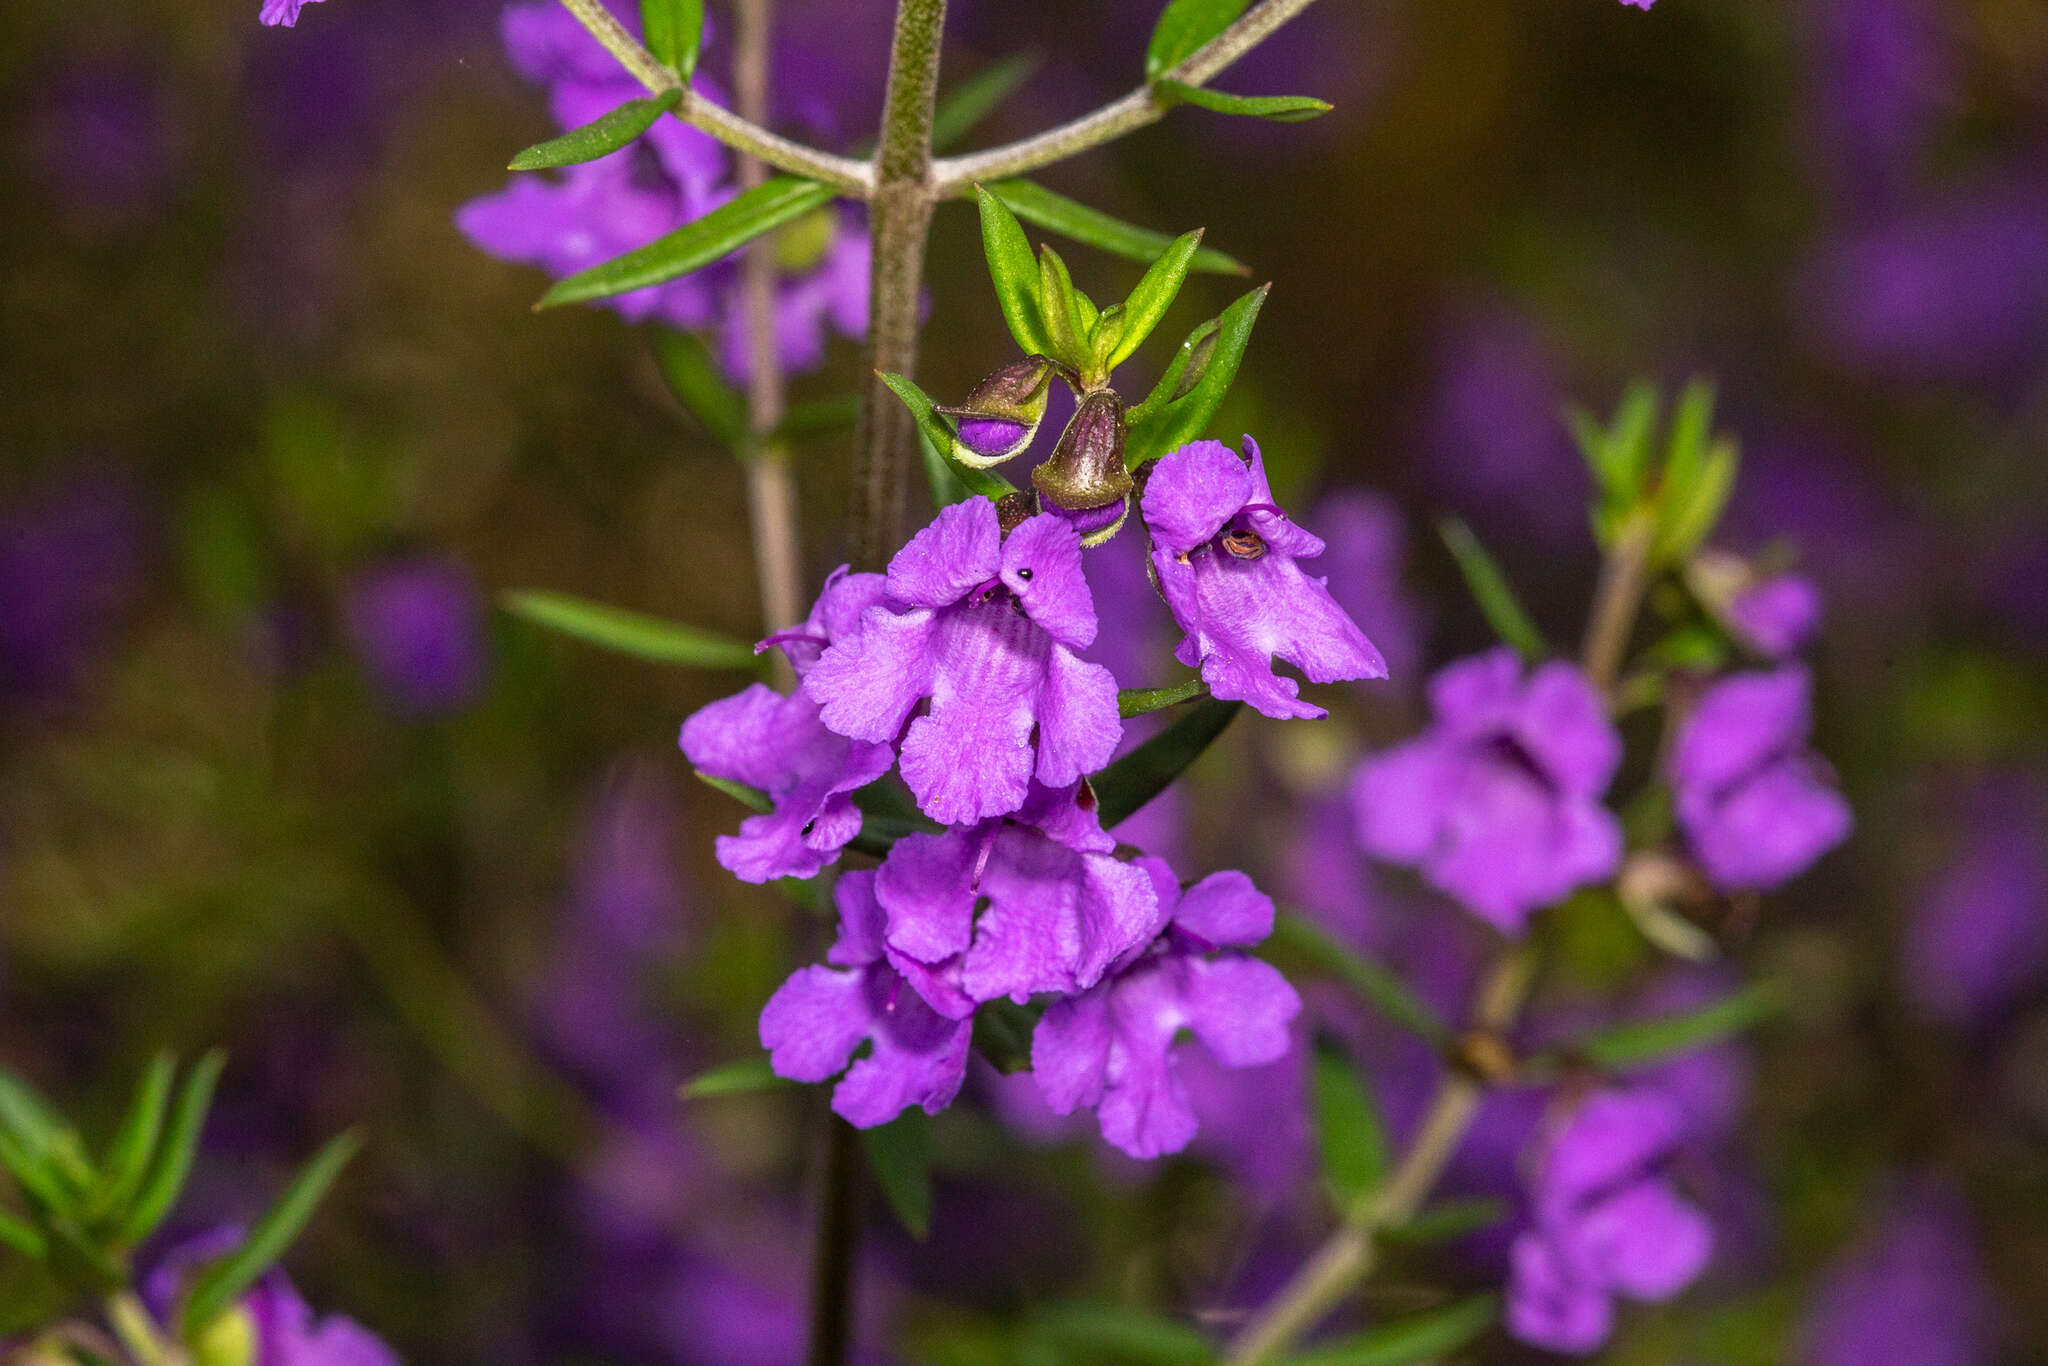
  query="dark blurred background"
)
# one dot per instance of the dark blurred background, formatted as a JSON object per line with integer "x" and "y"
{"x": 274, "y": 774}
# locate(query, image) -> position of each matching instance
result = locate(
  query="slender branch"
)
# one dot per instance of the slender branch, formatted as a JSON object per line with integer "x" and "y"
{"x": 848, "y": 176}
{"x": 1142, "y": 106}
{"x": 1346, "y": 1256}
{"x": 771, "y": 487}
{"x": 832, "y": 1265}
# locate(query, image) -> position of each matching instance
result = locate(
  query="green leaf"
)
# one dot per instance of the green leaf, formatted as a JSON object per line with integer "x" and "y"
{"x": 173, "y": 1160}
{"x": 23, "y": 1238}
{"x": 1426, "y": 1337}
{"x": 1497, "y": 601}
{"x": 1383, "y": 989}
{"x": 1349, "y": 1131}
{"x": 1098, "y": 1334}
{"x": 900, "y": 1155}
{"x": 961, "y": 109}
{"x": 1014, "y": 272}
{"x": 598, "y": 138}
{"x": 1274, "y": 108}
{"x": 1106, "y": 338}
{"x": 945, "y": 478}
{"x": 1032, "y": 202}
{"x": 675, "y": 30}
{"x": 1685, "y": 520}
{"x": 35, "y": 1173}
{"x": 223, "y": 1282}
{"x": 693, "y": 377}
{"x": 1138, "y": 777}
{"x": 628, "y": 633}
{"x": 1642, "y": 1042}
{"x": 1184, "y": 27}
{"x": 129, "y": 1151}
{"x": 1155, "y": 294}
{"x": 696, "y": 244}
{"x": 1180, "y": 418}
{"x": 751, "y": 797}
{"x": 976, "y": 480}
{"x": 1446, "y": 1222}
{"x": 734, "y": 1079}
{"x": 1138, "y": 701}
{"x": 1059, "y": 305}
{"x": 1190, "y": 362}
{"x": 46, "y": 1138}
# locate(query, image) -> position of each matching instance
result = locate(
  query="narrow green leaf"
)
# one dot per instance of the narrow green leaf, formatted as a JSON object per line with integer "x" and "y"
{"x": 959, "y": 110}
{"x": 696, "y": 244}
{"x": 985, "y": 482}
{"x": 1059, "y": 305}
{"x": 1096, "y": 1333}
{"x": 29, "y": 1117}
{"x": 941, "y": 474}
{"x": 1138, "y": 777}
{"x": 1106, "y": 338}
{"x": 600, "y": 137}
{"x": 1629, "y": 444}
{"x": 628, "y": 633}
{"x": 173, "y": 1160}
{"x": 1274, "y": 108}
{"x": 1383, "y": 989}
{"x": 1683, "y": 525}
{"x": 35, "y": 1173}
{"x": 1137, "y": 701}
{"x": 23, "y": 1238}
{"x": 1446, "y": 1222}
{"x": 1013, "y": 270}
{"x": 1497, "y": 601}
{"x": 1349, "y": 1131}
{"x": 1154, "y": 294}
{"x": 1183, "y": 372}
{"x": 734, "y": 1079}
{"x": 1642, "y": 1042}
{"x": 692, "y": 375}
{"x": 1153, "y": 432}
{"x": 675, "y": 31}
{"x": 900, "y": 1155}
{"x": 1054, "y": 212}
{"x": 129, "y": 1152}
{"x": 1426, "y": 1337}
{"x": 1184, "y": 27}
{"x": 223, "y": 1282}
{"x": 751, "y": 797}
{"x": 1692, "y": 427}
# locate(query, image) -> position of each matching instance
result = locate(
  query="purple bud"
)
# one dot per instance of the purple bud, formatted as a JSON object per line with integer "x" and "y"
{"x": 1086, "y": 473}
{"x": 1001, "y": 414}
{"x": 1096, "y": 525}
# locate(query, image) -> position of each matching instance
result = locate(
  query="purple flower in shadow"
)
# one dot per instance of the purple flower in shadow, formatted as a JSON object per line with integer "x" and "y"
{"x": 1778, "y": 616}
{"x": 1978, "y": 938}
{"x": 778, "y": 744}
{"x": 1498, "y": 803}
{"x": 1226, "y": 561}
{"x": 1113, "y": 1047}
{"x": 1755, "y": 804}
{"x": 989, "y": 630}
{"x": 1913, "y": 1295}
{"x": 1607, "y": 1222}
{"x": 280, "y": 1322}
{"x": 416, "y": 627}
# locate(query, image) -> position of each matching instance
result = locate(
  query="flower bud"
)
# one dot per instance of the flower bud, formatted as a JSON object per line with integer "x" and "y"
{"x": 1014, "y": 510}
{"x": 1085, "y": 479}
{"x": 230, "y": 1340}
{"x": 1002, "y": 413}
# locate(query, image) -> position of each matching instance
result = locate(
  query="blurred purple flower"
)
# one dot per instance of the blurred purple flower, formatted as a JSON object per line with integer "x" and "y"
{"x": 1912, "y": 1296}
{"x": 1365, "y": 552}
{"x": 285, "y": 12}
{"x": 1606, "y": 1222}
{"x": 1778, "y": 616}
{"x": 416, "y": 626}
{"x": 778, "y": 744}
{"x": 1978, "y": 937}
{"x": 1756, "y": 805}
{"x": 1498, "y": 802}
{"x": 103, "y": 141}
{"x": 282, "y": 1325}
{"x": 1226, "y": 561}
{"x": 1113, "y": 1047}
{"x": 989, "y": 629}
{"x": 71, "y": 554}
{"x": 1881, "y": 74}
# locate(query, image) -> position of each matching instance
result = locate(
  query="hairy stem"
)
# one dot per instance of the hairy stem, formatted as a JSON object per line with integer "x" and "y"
{"x": 771, "y": 487}
{"x": 1346, "y": 1256}
{"x": 1134, "y": 111}
{"x": 900, "y": 218}
{"x": 848, "y": 176}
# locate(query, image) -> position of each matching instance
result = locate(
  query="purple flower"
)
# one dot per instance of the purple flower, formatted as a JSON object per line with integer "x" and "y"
{"x": 1013, "y": 907}
{"x": 285, "y": 12}
{"x": 416, "y": 627}
{"x": 1978, "y": 940}
{"x": 1606, "y": 1222}
{"x": 281, "y": 1324}
{"x": 1639, "y": 4}
{"x": 779, "y": 745}
{"x": 988, "y": 629}
{"x": 814, "y": 1022}
{"x": 1225, "y": 557}
{"x": 1498, "y": 803}
{"x": 1755, "y": 804}
{"x": 1913, "y": 1296}
{"x": 1778, "y": 616}
{"x": 1882, "y": 75}
{"x": 1113, "y": 1047}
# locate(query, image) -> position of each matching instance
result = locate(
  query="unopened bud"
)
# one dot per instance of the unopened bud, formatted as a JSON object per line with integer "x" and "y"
{"x": 1085, "y": 479}
{"x": 1014, "y": 510}
{"x": 1001, "y": 415}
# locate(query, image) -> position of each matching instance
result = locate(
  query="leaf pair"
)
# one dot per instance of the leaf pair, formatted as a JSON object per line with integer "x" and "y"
{"x": 1185, "y": 27}
{"x": 1684, "y": 493}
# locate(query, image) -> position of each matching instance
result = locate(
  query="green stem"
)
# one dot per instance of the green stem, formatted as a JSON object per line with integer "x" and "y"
{"x": 145, "y": 1342}
{"x": 1134, "y": 111}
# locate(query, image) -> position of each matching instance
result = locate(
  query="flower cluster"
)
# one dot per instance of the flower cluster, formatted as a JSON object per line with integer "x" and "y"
{"x": 962, "y": 668}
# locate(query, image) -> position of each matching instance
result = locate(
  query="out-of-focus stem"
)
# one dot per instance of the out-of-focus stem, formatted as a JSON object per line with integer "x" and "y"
{"x": 1623, "y": 576}
{"x": 833, "y": 1260}
{"x": 145, "y": 1343}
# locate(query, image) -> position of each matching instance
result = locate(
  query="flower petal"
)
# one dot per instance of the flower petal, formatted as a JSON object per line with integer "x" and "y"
{"x": 961, "y": 549}
{"x": 1192, "y": 492}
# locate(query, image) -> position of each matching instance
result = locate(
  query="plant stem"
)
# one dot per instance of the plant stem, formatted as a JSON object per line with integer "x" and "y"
{"x": 848, "y": 176}
{"x": 1134, "y": 111}
{"x": 771, "y": 488}
{"x": 1346, "y": 1256}
{"x": 832, "y": 1265}
{"x": 901, "y": 216}
{"x": 145, "y": 1343}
